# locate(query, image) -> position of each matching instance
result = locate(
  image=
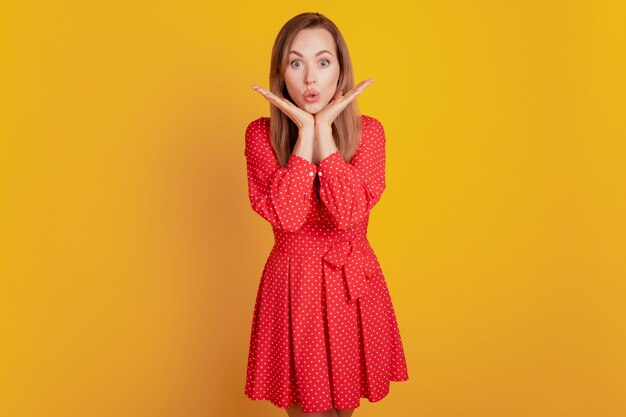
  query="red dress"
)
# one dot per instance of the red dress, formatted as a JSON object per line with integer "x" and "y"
{"x": 324, "y": 331}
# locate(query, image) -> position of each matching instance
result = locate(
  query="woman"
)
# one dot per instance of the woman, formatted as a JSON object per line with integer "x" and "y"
{"x": 324, "y": 332}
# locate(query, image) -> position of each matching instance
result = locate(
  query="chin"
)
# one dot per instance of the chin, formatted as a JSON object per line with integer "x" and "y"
{"x": 313, "y": 108}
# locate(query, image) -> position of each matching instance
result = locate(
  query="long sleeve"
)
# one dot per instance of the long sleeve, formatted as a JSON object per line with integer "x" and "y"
{"x": 281, "y": 195}
{"x": 349, "y": 191}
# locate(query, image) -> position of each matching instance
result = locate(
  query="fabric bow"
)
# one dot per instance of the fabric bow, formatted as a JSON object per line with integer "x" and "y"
{"x": 358, "y": 266}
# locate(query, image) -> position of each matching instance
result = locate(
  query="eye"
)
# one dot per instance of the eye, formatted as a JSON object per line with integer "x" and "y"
{"x": 297, "y": 60}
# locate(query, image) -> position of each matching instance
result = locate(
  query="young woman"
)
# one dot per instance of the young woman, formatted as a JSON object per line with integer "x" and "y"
{"x": 324, "y": 331}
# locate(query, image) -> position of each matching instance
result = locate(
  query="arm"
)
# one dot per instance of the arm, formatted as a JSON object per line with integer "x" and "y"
{"x": 279, "y": 194}
{"x": 349, "y": 191}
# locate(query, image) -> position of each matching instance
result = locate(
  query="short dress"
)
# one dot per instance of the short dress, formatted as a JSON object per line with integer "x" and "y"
{"x": 324, "y": 332}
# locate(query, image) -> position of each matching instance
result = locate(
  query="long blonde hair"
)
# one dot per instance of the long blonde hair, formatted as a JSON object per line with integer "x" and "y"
{"x": 346, "y": 128}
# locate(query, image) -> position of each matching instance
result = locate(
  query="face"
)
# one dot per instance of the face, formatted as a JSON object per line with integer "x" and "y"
{"x": 312, "y": 62}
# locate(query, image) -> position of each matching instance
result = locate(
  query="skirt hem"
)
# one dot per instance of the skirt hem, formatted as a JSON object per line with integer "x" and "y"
{"x": 281, "y": 405}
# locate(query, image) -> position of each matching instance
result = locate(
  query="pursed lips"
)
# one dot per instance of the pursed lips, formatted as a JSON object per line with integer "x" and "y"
{"x": 311, "y": 93}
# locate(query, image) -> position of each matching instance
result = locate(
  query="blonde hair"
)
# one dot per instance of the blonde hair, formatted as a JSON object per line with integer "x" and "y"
{"x": 346, "y": 128}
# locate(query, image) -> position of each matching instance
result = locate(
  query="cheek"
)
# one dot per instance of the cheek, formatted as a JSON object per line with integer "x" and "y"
{"x": 290, "y": 77}
{"x": 331, "y": 83}
{"x": 331, "y": 90}
{"x": 288, "y": 84}
{"x": 291, "y": 85}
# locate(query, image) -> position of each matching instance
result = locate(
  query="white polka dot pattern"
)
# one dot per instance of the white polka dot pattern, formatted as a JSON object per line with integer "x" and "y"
{"x": 279, "y": 194}
{"x": 350, "y": 191}
{"x": 324, "y": 332}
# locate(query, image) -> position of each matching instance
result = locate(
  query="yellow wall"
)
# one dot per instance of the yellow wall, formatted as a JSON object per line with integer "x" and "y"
{"x": 130, "y": 256}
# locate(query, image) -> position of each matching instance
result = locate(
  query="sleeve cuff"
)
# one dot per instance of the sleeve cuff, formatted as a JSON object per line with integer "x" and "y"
{"x": 302, "y": 166}
{"x": 332, "y": 163}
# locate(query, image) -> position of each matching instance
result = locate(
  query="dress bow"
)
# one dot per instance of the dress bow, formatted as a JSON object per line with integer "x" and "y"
{"x": 358, "y": 265}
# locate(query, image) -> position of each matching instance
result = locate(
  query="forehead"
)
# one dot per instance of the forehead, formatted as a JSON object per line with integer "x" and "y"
{"x": 310, "y": 41}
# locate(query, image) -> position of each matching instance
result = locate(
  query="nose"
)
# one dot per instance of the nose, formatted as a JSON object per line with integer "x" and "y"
{"x": 309, "y": 77}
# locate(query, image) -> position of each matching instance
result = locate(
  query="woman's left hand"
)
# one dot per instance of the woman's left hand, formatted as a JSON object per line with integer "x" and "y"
{"x": 328, "y": 114}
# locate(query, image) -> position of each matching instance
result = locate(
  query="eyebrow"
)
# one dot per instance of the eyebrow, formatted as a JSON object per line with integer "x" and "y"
{"x": 319, "y": 53}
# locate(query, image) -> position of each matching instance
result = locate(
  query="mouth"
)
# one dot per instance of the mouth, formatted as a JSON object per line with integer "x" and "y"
{"x": 311, "y": 96}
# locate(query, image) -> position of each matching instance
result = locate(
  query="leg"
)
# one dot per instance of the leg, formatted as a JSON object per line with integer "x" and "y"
{"x": 296, "y": 411}
{"x": 344, "y": 413}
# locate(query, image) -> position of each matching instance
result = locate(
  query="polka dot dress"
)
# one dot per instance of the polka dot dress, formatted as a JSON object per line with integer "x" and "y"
{"x": 324, "y": 332}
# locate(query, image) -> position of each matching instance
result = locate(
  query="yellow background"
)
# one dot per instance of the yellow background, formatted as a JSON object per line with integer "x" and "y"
{"x": 130, "y": 256}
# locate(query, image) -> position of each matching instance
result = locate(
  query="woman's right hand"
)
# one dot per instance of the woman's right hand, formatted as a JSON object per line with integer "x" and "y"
{"x": 301, "y": 118}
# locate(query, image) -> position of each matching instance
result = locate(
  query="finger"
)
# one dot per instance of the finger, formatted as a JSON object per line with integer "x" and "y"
{"x": 262, "y": 90}
{"x": 282, "y": 103}
{"x": 352, "y": 94}
{"x": 364, "y": 84}
{"x": 278, "y": 101}
{"x": 358, "y": 89}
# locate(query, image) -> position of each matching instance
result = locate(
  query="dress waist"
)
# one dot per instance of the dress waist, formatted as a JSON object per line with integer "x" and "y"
{"x": 347, "y": 255}
{"x": 295, "y": 243}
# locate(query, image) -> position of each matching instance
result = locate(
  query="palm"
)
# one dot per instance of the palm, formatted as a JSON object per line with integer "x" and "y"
{"x": 296, "y": 114}
{"x": 334, "y": 107}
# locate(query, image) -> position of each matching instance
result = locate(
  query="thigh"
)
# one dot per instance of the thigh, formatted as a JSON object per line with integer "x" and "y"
{"x": 344, "y": 413}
